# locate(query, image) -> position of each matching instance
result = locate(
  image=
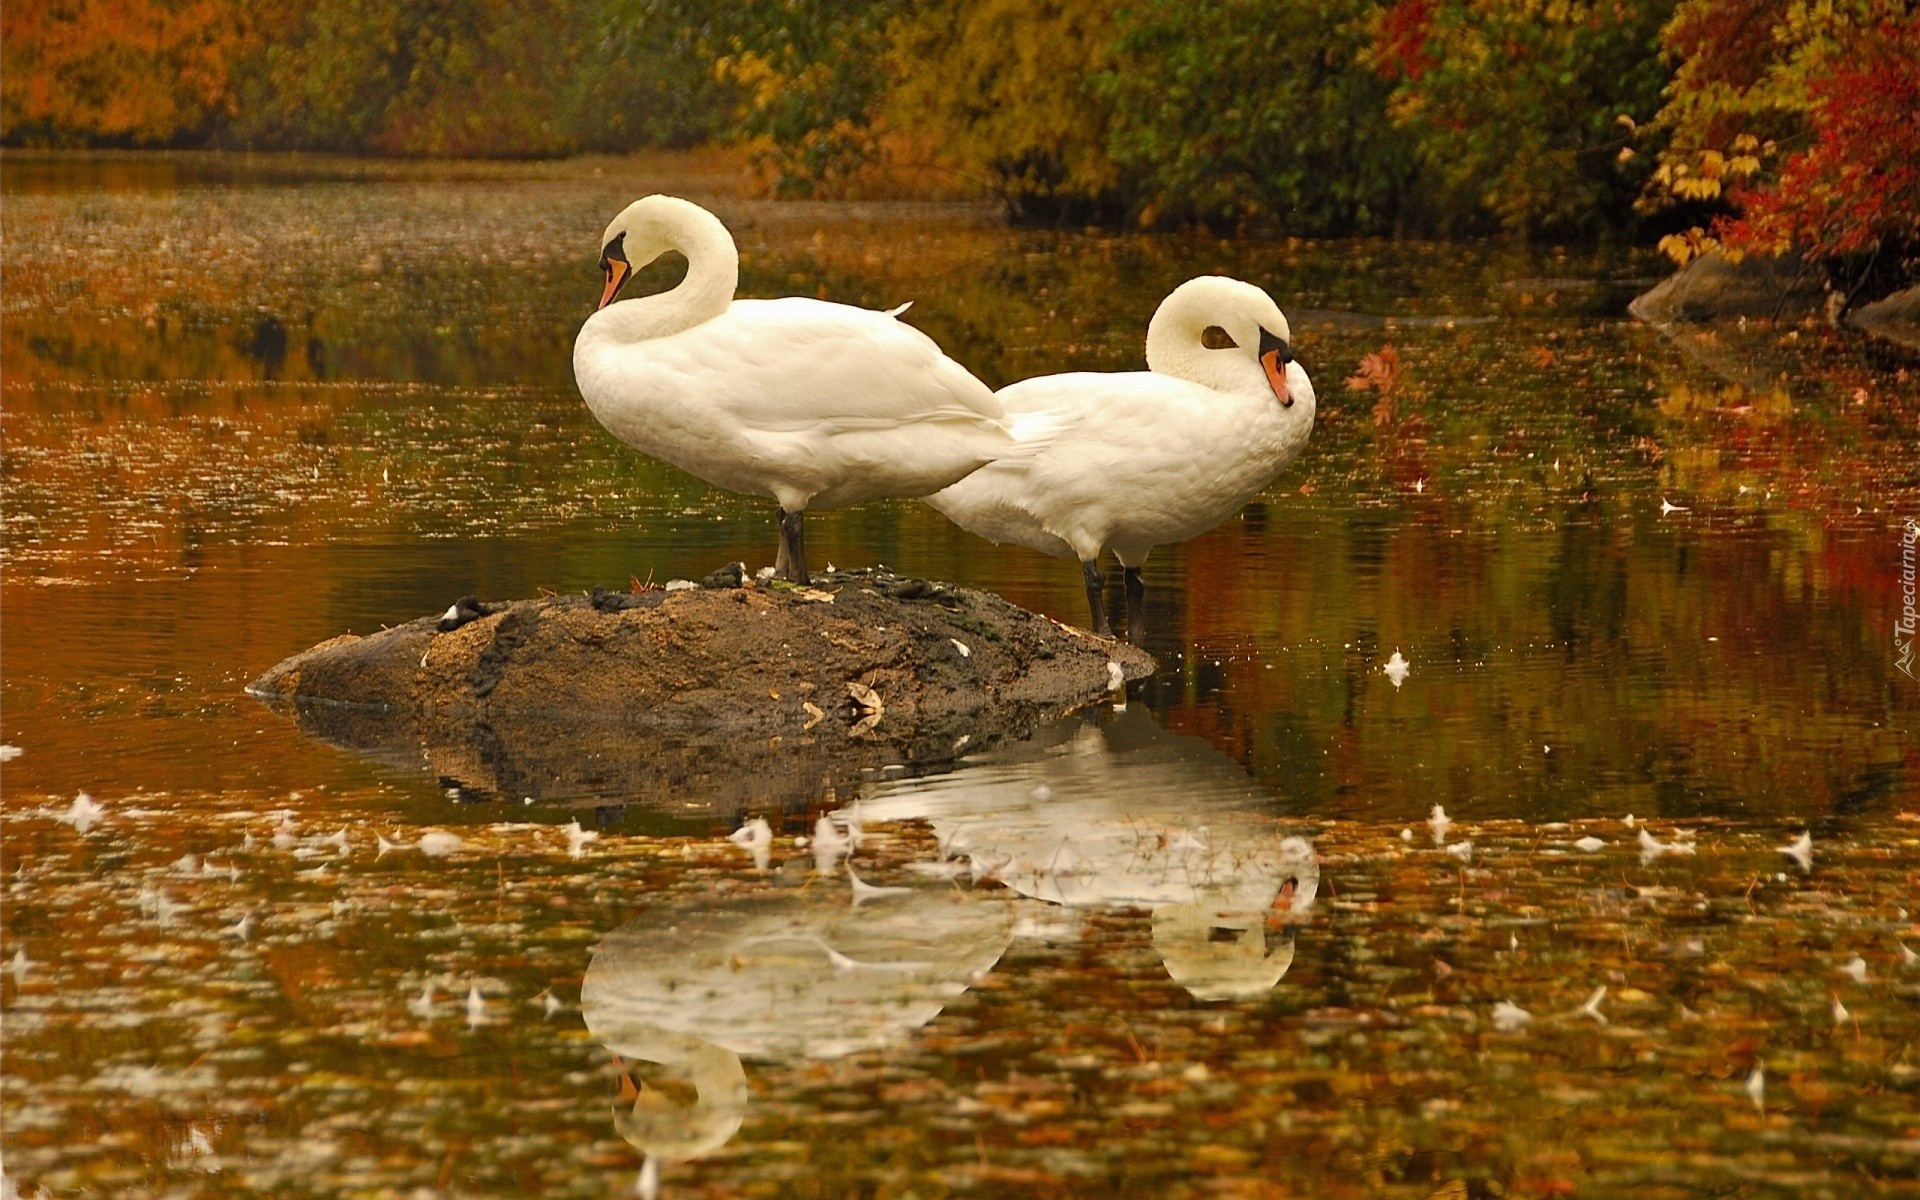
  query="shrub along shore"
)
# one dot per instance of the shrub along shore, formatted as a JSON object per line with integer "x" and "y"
{"x": 1758, "y": 126}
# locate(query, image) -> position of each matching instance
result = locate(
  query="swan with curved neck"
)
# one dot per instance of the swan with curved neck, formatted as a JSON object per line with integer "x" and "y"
{"x": 811, "y": 404}
{"x": 1122, "y": 462}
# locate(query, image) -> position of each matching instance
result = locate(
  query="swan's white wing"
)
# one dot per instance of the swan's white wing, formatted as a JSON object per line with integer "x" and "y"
{"x": 797, "y": 365}
{"x": 1093, "y": 448}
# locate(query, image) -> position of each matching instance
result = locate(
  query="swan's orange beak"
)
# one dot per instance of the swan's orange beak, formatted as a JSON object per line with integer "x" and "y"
{"x": 1275, "y": 354}
{"x": 617, "y": 269}
{"x": 1282, "y": 907}
{"x": 628, "y": 1091}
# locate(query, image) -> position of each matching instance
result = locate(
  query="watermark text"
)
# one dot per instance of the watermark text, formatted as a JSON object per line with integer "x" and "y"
{"x": 1903, "y": 625}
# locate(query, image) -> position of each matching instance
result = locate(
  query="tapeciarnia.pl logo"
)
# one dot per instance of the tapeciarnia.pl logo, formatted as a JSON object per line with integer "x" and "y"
{"x": 1903, "y": 625}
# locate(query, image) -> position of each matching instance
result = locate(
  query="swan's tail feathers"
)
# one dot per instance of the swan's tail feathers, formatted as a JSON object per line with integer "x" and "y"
{"x": 1033, "y": 433}
{"x": 961, "y": 385}
{"x": 894, "y": 312}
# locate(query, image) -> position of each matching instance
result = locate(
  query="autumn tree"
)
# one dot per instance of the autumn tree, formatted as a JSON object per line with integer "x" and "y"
{"x": 133, "y": 72}
{"x": 1251, "y": 113}
{"x": 1800, "y": 123}
{"x": 1007, "y": 88}
{"x": 1517, "y": 104}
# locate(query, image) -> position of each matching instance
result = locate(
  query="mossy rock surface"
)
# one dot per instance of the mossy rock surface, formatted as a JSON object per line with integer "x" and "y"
{"x": 1896, "y": 318}
{"x": 711, "y": 697}
{"x": 1713, "y": 288}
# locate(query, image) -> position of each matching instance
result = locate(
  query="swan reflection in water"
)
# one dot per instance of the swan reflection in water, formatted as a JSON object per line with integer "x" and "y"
{"x": 1091, "y": 812}
{"x": 1113, "y": 810}
{"x": 786, "y": 973}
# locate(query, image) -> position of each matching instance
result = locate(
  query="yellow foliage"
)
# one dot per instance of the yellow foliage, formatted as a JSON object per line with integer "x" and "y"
{"x": 1683, "y": 248}
{"x": 1002, "y": 85}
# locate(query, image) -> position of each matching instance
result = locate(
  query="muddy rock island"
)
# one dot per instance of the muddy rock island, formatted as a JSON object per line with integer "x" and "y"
{"x": 724, "y": 695}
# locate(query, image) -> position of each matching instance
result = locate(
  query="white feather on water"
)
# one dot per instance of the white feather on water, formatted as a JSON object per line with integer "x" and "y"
{"x": 83, "y": 814}
{"x": 1652, "y": 847}
{"x": 1509, "y": 1017}
{"x": 756, "y": 838}
{"x": 1397, "y": 669}
{"x": 437, "y": 843}
{"x": 577, "y": 838}
{"x": 1800, "y": 850}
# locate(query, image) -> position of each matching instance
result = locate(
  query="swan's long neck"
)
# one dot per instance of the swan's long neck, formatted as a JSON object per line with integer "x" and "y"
{"x": 1174, "y": 346}
{"x": 713, "y": 273}
{"x": 1173, "y": 340}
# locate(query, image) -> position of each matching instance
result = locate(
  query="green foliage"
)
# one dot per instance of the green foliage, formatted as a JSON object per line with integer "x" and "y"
{"x": 809, "y": 73}
{"x": 1518, "y": 104}
{"x": 453, "y": 77}
{"x": 1250, "y": 111}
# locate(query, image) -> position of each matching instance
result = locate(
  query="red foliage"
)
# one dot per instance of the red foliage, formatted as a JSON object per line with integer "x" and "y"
{"x": 1400, "y": 47}
{"x": 1729, "y": 42}
{"x": 1859, "y": 182}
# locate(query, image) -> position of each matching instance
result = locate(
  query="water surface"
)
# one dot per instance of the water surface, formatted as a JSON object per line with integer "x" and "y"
{"x": 250, "y": 404}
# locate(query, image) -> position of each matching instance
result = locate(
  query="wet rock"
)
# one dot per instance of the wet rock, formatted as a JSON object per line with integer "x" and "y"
{"x": 1711, "y": 288}
{"x": 710, "y": 698}
{"x": 605, "y": 601}
{"x": 732, "y": 575}
{"x": 1896, "y": 318}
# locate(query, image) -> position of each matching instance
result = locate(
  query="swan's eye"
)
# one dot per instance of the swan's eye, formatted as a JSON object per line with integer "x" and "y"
{"x": 1215, "y": 338}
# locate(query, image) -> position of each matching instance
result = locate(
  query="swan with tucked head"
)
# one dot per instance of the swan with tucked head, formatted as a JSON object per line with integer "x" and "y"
{"x": 1122, "y": 462}
{"x": 812, "y": 404}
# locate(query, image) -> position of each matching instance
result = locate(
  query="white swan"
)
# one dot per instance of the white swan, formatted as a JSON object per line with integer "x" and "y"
{"x": 1127, "y": 461}
{"x": 810, "y": 403}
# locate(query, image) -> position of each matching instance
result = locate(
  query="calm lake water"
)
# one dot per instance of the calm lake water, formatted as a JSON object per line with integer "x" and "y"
{"x": 250, "y": 404}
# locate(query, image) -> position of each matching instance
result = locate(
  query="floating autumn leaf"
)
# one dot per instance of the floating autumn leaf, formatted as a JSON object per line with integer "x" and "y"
{"x": 1379, "y": 371}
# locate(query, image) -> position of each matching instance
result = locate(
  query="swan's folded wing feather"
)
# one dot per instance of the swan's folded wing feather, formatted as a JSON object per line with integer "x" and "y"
{"x": 1048, "y": 410}
{"x": 806, "y": 365}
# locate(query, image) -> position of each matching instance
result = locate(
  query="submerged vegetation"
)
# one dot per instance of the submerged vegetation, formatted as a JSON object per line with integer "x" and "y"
{"x": 1764, "y": 125}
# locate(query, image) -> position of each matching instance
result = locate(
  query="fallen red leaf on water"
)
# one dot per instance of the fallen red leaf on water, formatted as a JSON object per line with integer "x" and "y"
{"x": 1379, "y": 371}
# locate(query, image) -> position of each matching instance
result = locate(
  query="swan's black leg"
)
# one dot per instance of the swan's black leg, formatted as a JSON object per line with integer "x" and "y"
{"x": 1136, "y": 604}
{"x": 780, "y": 561}
{"x": 793, "y": 540}
{"x": 1097, "y": 597}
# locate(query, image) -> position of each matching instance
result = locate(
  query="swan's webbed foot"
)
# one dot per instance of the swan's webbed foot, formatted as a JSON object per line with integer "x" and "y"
{"x": 1097, "y": 597}
{"x": 793, "y": 547}
{"x": 1136, "y": 604}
